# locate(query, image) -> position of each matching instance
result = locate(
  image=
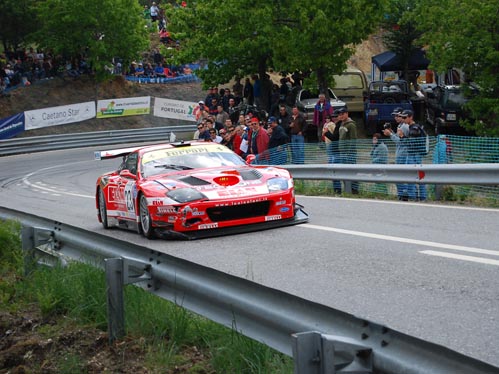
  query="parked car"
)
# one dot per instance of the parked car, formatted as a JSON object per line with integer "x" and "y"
{"x": 444, "y": 108}
{"x": 305, "y": 102}
{"x": 193, "y": 190}
{"x": 382, "y": 98}
{"x": 351, "y": 87}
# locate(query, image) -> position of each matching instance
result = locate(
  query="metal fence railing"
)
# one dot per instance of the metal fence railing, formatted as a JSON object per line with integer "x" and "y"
{"x": 443, "y": 149}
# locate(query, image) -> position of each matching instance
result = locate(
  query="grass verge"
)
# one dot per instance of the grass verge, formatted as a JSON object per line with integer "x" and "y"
{"x": 55, "y": 321}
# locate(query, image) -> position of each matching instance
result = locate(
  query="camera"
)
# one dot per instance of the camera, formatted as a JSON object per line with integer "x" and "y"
{"x": 387, "y": 125}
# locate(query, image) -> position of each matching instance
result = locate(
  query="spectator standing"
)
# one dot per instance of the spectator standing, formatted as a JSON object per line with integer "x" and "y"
{"x": 379, "y": 155}
{"x": 154, "y": 11}
{"x": 277, "y": 142}
{"x": 347, "y": 142}
{"x": 237, "y": 89}
{"x": 248, "y": 94}
{"x": 322, "y": 110}
{"x": 401, "y": 155}
{"x": 221, "y": 115}
{"x": 284, "y": 119}
{"x": 258, "y": 140}
{"x": 417, "y": 146}
{"x": 214, "y": 137}
{"x": 331, "y": 133}
{"x": 238, "y": 132}
{"x": 226, "y": 98}
{"x": 298, "y": 127}
{"x": 257, "y": 91}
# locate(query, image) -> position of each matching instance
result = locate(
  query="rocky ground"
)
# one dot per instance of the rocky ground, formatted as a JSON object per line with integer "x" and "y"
{"x": 31, "y": 344}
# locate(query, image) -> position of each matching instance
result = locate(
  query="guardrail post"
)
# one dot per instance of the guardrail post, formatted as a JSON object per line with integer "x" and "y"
{"x": 316, "y": 353}
{"x": 31, "y": 239}
{"x": 115, "y": 304}
{"x": 118, "y": 274}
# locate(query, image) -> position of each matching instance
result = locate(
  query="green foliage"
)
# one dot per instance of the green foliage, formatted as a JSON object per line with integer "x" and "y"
{"x": 324, "y": 34}
{"x": 77, "y": 290}
{"x": 243, "y": 355}
{"x": 401, "y": 32}
{"x": 16, "y": 22}
{"x": 11, "y": 256}
{"x": 464, "y": 34}
{"x": 240, "y": 38}
{"x": 11, "y": 259}
{"x": 96, "y": 29}
{"x": 235, "y": 37}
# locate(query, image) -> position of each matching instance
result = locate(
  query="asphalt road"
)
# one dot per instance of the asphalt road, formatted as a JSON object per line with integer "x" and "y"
{"x": 427, "y": 270}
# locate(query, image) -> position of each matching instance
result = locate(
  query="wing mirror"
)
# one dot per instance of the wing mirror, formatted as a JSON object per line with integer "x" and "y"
{"x": 127, "y": 174}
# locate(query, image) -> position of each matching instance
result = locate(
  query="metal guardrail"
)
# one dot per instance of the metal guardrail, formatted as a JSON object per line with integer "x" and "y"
{"x": 44, "y": 143}
{"x": 319, "y": 338}
{"x": 471, "y": 174}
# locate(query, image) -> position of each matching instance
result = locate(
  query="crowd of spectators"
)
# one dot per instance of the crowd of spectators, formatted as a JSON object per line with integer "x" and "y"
{"x": 23, "y": 67}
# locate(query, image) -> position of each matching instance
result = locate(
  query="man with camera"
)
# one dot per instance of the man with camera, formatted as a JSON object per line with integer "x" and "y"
{"x": 417, "y": 147}
{"x": 401, "y": 153}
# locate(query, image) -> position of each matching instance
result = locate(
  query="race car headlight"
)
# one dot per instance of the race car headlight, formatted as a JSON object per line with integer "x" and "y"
{"x": 278, "y": 184}
{"x": 184, "y": 195}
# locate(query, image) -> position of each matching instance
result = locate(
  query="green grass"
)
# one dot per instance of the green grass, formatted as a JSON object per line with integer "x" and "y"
{"x": 76, "y": 294}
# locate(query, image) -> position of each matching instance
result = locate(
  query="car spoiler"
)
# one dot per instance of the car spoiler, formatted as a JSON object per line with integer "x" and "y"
{"x": 104, "y": 155}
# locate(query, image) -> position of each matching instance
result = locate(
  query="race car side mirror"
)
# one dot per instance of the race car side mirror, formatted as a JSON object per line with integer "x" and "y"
{"x": 250, "y": 159}
{"x": 127, "y": 174}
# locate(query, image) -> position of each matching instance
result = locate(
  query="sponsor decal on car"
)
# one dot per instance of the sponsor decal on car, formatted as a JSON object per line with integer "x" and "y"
{"x": 165, "y": 210}
{"x": 285, "y": 209}
{"x": 243, "y": 202}
{"x": 205, "y": 226}
{"x": 273, "y": 218}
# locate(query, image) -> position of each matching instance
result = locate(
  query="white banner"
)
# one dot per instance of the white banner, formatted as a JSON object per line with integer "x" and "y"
{"x": 130, "y": 106}
{"x": 59, "y": 115}
{"x": 167, "y": 108}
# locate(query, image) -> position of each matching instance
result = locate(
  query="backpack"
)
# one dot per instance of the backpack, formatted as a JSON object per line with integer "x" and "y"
{"x": 423, "y": 143}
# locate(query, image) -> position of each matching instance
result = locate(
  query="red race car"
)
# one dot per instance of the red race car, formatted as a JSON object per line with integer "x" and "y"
{"x": 193, "y": 190}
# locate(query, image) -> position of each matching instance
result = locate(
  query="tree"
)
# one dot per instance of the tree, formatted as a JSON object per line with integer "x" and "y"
{"x": 238, "y": 37}
{"x": 324, "y": 36}
{"x": 233, "y": 36}
{"x": 99, "y": 30}
{"x": 401, "y": 33}
{"x": 15, "y": 16}
{"x": 465, "y": 35}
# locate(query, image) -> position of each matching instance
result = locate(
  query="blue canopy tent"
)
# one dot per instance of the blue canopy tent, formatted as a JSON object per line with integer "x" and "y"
{"x": 390, "y": 61}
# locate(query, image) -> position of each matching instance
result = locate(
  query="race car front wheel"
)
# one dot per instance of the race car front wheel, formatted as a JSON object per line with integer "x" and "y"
{"x": 103, "y": 209}
{"x": 145, "y": 218}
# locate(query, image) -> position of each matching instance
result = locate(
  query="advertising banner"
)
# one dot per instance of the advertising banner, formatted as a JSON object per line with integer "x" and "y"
{"x": 167, "y": 108}
{"x": 131, "y": 106}
{"x": 59, "y": 115}
{"x": 11, "y": 126}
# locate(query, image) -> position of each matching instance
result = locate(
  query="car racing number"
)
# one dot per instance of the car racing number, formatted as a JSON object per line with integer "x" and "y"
{"x": 130, "y": 197}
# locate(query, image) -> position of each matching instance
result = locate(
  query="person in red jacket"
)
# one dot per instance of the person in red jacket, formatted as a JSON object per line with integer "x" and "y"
{"x": 258, "y": 141}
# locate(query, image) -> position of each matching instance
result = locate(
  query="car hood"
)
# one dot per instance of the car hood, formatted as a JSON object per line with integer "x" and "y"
{"x": 217, "y": 183}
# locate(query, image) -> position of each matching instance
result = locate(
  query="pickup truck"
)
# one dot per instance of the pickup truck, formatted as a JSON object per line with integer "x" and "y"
{"x": 382, "y": 98}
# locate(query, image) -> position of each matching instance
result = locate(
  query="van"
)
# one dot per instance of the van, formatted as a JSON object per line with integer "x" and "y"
{"x": 351, "y": 86}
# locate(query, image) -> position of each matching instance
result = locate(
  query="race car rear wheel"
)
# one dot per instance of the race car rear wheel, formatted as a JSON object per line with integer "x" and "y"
{"x": 145, "y": 218}
{"x": 103, "y": 209}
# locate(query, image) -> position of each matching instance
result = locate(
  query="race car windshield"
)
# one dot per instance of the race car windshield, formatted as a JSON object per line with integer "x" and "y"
{"x": 160, "y": 163}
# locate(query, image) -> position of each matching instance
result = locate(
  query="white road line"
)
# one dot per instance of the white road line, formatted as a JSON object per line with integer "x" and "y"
{"x": 393, "y": 202}
{"x": 55, "y": 191}
{"x": 455, "y": 256}
{"x": 405, "y": 240}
